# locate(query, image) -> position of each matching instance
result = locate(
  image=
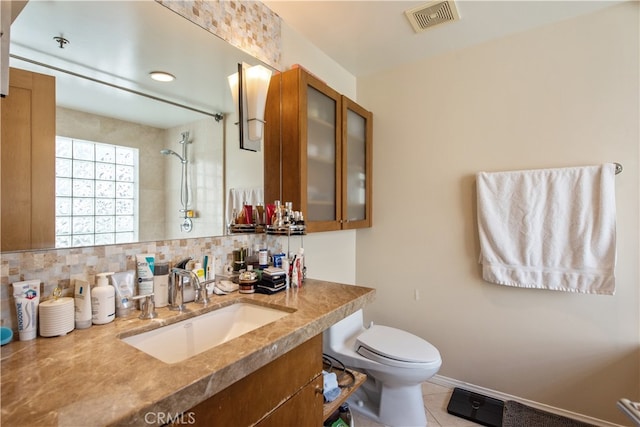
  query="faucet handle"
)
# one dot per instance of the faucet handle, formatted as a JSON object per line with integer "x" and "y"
{"x": 147, "y": 306}
{"x": 202, "y": 295}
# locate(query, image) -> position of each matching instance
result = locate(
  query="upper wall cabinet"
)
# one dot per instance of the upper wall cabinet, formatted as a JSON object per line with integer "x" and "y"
{"x": 324, "y": 162}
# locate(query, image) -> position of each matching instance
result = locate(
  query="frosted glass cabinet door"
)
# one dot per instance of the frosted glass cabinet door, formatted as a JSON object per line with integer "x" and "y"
{"x": 357, "y": 134}
{"x": 322, "y": 159}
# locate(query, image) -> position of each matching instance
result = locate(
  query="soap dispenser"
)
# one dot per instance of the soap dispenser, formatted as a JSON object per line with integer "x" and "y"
{"x": 103, "y": 300}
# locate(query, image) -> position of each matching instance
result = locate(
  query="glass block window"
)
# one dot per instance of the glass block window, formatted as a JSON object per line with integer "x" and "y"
{"x": 96, "y": 193}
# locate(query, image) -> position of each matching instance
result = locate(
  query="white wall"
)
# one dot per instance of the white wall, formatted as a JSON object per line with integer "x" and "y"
{"x": 562, "y": 95}
{"x": 329, "y": 255}
{"x": 245, "y": 168}
{"x": 296, "y": 49}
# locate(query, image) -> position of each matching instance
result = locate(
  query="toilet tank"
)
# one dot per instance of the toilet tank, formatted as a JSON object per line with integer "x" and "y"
{"x": 344, "y": 331}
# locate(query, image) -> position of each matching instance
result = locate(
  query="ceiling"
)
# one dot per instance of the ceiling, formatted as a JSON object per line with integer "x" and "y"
{"x": 367, "y": 37}
{"x": 119, "y": 43}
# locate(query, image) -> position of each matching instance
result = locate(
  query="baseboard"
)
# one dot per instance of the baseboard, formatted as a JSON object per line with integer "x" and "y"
{"x": 451, "y": 383}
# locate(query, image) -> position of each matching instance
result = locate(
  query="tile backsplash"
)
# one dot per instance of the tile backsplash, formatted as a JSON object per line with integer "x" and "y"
{"x": 60, "y": 267}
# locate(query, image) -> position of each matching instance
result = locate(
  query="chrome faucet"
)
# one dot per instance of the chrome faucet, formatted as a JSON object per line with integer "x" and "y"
{"x": 177, "y": 303}
{"x": 176, "y": 293}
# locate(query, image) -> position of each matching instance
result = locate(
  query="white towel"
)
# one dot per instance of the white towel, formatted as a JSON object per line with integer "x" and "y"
{"x": 549, "y": 228}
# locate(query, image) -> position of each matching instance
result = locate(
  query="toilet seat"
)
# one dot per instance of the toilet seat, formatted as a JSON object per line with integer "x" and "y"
{"x": 395, "y": 347}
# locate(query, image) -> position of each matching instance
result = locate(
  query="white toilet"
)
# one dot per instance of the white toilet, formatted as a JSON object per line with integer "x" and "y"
{"x": 396, "y": 363}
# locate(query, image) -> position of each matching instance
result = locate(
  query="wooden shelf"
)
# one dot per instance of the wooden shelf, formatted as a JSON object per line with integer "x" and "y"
{"x": 330, "y": 407}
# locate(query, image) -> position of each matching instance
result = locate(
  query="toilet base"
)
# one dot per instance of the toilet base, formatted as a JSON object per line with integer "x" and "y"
{"x": 390, "y": 405}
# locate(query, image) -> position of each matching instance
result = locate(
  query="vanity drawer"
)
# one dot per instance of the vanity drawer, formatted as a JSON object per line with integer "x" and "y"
{"x": 303, "y": 409}
{"x": 287, "y": 382}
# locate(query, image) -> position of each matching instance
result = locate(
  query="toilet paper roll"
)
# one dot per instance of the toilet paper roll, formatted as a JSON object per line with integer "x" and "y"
{"x": 56, "y": 317}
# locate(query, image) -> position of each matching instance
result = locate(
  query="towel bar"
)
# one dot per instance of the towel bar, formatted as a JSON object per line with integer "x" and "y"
{"x": 618, "y": 168}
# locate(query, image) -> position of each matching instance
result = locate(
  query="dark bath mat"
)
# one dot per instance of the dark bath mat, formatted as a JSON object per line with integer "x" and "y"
{"x": 476, "y": 407}
{"x": 518, "y": 415}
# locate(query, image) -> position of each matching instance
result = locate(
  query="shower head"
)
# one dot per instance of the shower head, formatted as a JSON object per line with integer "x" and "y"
{"x": 168, "y": 152}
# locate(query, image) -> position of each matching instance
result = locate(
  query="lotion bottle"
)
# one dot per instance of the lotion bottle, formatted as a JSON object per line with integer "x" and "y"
{"x": 82, "y": 301}
{"x": 199, "y": 271}
{"x": 161, "y": 284}
{"x": 103, "y": 300}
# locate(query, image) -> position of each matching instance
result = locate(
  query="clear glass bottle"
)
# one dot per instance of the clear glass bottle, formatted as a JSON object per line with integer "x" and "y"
{"x": 277, "y": 219}
{"x": 259, "y": 213}
{"x": 252, "y": 258}
{"x": 288, "y": 213}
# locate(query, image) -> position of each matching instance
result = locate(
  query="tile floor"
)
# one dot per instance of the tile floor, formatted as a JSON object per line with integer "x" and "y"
{"x": 436, "y": 398}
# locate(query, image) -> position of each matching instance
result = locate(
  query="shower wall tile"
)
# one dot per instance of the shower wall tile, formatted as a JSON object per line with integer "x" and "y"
{"x": 205, "y": 179}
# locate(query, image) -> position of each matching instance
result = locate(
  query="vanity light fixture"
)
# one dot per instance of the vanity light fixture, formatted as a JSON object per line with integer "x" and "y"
{"x": 249, "y": 89}
{"x": 162, "y": 76}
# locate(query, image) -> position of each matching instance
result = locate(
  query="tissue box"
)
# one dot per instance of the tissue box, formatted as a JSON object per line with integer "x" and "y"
{"x": 330, "y": 386}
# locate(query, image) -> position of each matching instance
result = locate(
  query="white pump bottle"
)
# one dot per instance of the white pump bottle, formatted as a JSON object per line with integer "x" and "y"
{"x": 103, "y": 300}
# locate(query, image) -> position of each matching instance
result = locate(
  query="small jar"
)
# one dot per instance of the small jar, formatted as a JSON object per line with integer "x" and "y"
{"x": 247, "y": 281}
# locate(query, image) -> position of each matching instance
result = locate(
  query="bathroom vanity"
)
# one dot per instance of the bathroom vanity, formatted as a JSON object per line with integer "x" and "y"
{"x": 258, "y": 398}
{"x": 285, "y": 392}
{"x": 92, "y": 377}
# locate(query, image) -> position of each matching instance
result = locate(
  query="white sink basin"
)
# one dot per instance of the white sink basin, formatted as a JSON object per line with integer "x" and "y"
{"x": 179, "y": 341}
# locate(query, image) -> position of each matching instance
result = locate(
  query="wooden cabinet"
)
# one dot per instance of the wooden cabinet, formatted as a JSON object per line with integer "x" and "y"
{"x": 318, "y": 152}
{"x": 300, "y": 410}
{"x": 28, "y": 115}
{"x": 285, "y": 392}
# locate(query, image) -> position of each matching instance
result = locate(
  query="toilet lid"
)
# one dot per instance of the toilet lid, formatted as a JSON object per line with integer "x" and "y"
{"x": 395, "y": 347}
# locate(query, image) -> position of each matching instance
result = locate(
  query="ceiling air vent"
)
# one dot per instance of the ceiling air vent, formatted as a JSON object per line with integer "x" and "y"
{"x": 431, "y": 14}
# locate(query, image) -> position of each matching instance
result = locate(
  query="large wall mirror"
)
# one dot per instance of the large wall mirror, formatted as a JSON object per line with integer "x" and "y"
{"x": 104, "y": 47}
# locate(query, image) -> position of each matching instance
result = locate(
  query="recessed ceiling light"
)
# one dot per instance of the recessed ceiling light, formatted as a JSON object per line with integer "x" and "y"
{"x": 162, "y": 76}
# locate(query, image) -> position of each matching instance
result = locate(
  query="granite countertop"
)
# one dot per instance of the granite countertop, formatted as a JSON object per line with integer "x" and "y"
{"x": 90, "y": 377}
